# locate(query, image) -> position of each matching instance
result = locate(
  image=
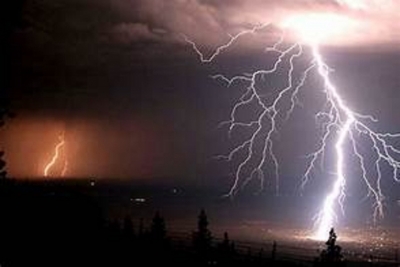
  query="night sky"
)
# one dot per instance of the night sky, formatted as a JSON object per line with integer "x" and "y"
{"x": 134, "y": 100}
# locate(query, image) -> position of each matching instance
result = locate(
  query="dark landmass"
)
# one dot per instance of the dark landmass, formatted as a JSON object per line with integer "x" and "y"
{"x": 68, "y": 223}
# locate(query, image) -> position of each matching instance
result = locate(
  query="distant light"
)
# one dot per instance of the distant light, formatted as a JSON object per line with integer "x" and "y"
{"x": 92, "y": 183}
{"x": 174, "y": 190}
{"x": 138, "y": 200}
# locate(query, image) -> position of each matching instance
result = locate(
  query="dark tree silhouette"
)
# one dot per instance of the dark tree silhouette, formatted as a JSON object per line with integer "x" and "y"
{"x": 332, "y": 254}
{"x": 226, "y": 251}
{"x": 114, "y": 232}
{"x": 3, "y": 172}
{"x": 141, "y": 228}
{"x": 158, "y": 230}
{"x": 226, "y": 247}
{"x": 202, "y": 237}
{"x": 3, "y": 113}
{"x": 128, "y": 227}
{"x": 226, "y": 244}
{"x": 273, "y": 252}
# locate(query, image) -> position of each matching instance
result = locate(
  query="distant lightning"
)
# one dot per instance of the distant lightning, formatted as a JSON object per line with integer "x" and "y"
{"x": 65, "y": 168}
{"x": 337, "y": 119}
{"x": 57, "y": 151}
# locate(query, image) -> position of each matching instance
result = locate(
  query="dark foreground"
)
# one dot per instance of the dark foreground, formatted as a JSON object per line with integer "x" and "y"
{"x": 44, "y": 225}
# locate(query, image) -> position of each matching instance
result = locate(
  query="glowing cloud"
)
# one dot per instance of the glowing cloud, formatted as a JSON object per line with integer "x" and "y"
{"x": 317, "y": 28}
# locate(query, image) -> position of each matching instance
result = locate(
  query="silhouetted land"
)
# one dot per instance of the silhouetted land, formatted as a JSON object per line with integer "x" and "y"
{"x": 50, "y": 224}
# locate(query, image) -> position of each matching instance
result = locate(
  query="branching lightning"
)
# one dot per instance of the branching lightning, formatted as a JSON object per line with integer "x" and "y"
{"x": 57, "y": 154}
{"x": 339, "y": 122}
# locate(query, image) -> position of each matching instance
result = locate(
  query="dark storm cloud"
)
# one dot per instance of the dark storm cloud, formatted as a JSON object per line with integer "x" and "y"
{"x": 113, "y": 63}
{"x": 86, "y": 67}
{"x": 83, "y": 31}
{"x": 210, "y": 21}
{"x": 127, "y": 33}
{"x": 90, "y": 49}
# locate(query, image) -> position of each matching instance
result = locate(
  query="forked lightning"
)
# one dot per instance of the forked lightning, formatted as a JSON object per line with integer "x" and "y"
{"x": 339, "y": 122}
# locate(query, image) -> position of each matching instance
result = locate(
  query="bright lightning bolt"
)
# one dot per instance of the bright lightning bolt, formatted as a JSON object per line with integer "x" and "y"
{"x": 337, "y": 119}
{"x": 60, "y": 145}
{"x": 326, "y": 217}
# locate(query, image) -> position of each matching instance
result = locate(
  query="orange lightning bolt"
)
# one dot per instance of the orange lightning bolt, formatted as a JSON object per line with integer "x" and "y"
{"x": 56, "y": 155}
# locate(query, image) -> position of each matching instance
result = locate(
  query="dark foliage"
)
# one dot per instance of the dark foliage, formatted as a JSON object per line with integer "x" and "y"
{"x": 44, "y": 225}
{"x": 3, "y": 172}
{"x": 202, "y": 237}
{"x": 3, "y": 114}
{"x": 332, "y": 255}
{"x": 158, "y": 231}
